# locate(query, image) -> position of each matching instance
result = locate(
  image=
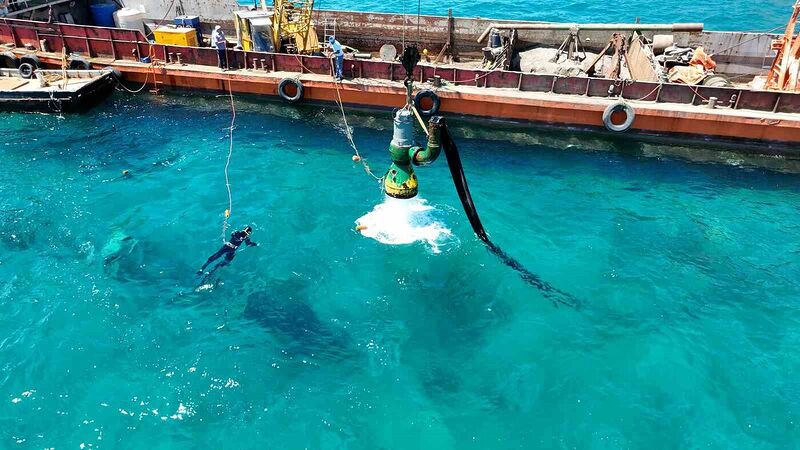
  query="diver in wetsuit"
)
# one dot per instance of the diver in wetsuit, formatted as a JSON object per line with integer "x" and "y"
{"x": 229, "y": 249}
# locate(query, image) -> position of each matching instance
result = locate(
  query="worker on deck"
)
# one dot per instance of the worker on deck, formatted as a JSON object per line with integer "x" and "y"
{"x": 219, "y": 42}
{"x": 3, "y": 8}
{"x": 337, "y": 53}
{"x": 228, "y": 250}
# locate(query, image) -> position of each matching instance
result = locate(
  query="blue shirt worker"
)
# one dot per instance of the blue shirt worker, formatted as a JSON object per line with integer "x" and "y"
{"x": 3, "y": 8}
{"x": 336, "y": 47}
{"x": 219, "y": 42}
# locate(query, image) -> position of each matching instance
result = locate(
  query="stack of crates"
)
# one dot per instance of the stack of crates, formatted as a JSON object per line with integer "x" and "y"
{"x": 190, "y": 22}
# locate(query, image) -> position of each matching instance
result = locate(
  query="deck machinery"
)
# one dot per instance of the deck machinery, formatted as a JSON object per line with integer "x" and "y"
{"x": 284, "y": 27}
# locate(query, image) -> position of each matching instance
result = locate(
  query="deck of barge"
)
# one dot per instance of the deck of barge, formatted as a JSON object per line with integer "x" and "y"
{"x": 492, "y": 103}
{"x": 745, "y": 114}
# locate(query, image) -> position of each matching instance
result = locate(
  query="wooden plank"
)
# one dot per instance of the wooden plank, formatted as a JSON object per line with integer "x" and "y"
{"x": 9, "y": 84}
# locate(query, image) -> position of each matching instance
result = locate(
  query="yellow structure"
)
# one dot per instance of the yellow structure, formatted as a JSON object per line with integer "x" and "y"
{"x": 254, "y": 30}
{"x": 292, "y": 28}
{"x": 176, "y": 36}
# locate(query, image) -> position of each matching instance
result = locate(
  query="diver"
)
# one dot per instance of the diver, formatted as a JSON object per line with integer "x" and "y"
{"x": 229, "y": 249}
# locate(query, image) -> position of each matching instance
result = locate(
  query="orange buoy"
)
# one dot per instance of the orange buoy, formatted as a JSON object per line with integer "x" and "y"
{"x": 126, "y": 172}
{"x": 356, "y": 158}
{"x": 361, "y": 227}
{"x": 227, "y": 213}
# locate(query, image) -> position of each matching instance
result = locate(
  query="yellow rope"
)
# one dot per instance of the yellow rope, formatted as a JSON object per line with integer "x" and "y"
{"x": 349, "y": 135}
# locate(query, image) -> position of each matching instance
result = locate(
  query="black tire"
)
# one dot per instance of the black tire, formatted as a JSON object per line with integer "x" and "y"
{"x": 8, "y": 60}
{"x": 26, "y": 70}
{"x": 290, "y": 98}
{"x": 79, "y": 64}
{"x": 717, "y": 80}
{"x": 630, "y": 115}
{"x": 434, "y": 109}
{"x": 32, "y": 60}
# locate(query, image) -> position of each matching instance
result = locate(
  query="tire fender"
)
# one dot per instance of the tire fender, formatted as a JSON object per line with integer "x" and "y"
{"x": 26, "y": 70}
{"x": 79, "y": 64}
{"x": 9, "y": 60}
{"x": 32, "y": 60}
{"x": 434, "y": 109}
{"x": 630, "y": 115}
{"x": 290, "y": 98}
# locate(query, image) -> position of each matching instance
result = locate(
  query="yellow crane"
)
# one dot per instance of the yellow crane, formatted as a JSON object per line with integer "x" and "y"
{"x": 292, "y": 26}
{"x": 286, "y": 27}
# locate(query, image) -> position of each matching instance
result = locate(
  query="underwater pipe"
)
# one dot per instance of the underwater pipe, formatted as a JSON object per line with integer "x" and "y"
{"x": 457, "y": 172}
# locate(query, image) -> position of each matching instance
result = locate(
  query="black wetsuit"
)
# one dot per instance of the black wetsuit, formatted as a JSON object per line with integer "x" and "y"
{"x": 229, "y": 249}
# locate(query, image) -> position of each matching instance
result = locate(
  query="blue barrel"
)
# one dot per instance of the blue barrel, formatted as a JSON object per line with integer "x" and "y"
{"x": 103, "y": 14}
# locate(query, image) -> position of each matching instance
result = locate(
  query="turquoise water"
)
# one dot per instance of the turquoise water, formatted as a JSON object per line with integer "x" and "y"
{"x": 687, "y": 273}
{"x": 721, "y": 15}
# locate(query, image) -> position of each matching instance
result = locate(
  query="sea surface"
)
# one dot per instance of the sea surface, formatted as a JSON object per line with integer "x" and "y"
{"x": 720, "y": 15}
{"x": 686, "y": 271}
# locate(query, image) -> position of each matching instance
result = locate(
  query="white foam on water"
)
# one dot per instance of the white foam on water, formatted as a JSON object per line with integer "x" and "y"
{"x": 403, "y": 222}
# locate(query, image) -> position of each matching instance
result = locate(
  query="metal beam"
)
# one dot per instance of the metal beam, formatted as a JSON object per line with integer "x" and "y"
{"x": 34, "y": 8}
{"x": 670, "y": 27}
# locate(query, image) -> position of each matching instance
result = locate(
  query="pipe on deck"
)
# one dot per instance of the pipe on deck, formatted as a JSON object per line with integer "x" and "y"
{"x": 669, "y": 27}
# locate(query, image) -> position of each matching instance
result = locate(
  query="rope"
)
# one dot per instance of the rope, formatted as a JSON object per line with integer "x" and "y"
{"x": 405, "y": 25}
{"x": 151, "y": 55}
{"x": 419, "y": 7}
{"x": 348, "y": 132}
{"x": 648, "y": 95}
{"x": 349, "y": 135}
{"x": 136, "y": 91}
{"x": 474, "y": 79}
{"x": 158, "y": 24}
{"x": 694, "y": 89}
{"x": 228, "y": 164}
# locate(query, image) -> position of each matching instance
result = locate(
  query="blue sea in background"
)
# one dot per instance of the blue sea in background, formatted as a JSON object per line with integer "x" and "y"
{"x": 720, "y": 15}
{"x": 687, "y": 270}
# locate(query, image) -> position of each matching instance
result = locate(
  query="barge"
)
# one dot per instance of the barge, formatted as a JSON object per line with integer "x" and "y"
{"x": 739, "y": 111}
{"x": 54, "y": 91}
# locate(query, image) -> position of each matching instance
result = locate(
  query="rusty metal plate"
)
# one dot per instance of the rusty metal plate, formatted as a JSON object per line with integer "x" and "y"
{"x": 286, "y": 63}
{"x": 467, "y": 77}
{"x": 790, "y": 103}
{"x": 640, "y": 90}
{"x": 723, "y": 95}
{"x": 503, "y": 79}
{"x": 375, "y": 69}
{"x": 758, "y": 100}
{"x": 446, "y": 74}
{"x": 598, "y": 87}
{"x": 537, "y": 83}
{"x": 571, "y": 85}
{"x": 676, "y": 93}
